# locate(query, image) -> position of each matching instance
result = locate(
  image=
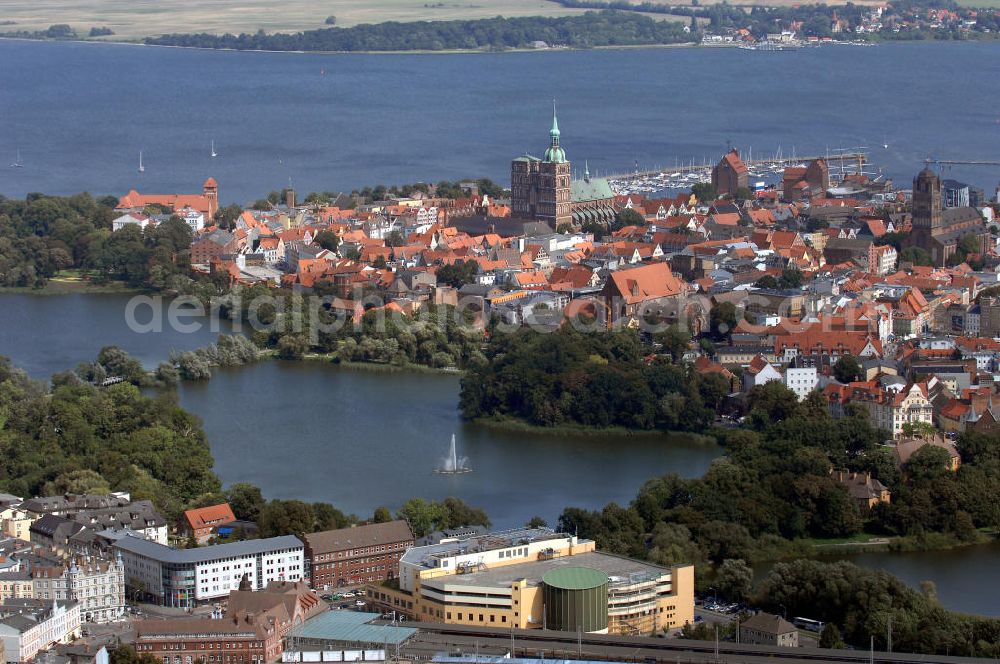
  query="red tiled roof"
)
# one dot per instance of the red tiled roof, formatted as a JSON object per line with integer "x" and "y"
{"x": 204, "y": 517}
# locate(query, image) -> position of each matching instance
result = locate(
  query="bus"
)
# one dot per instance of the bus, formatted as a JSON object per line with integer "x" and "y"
{"x": 809, "y": 624}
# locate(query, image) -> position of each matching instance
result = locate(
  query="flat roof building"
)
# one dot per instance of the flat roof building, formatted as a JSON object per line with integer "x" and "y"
{"x": 348, "y": 556}
{"x": 514, "y": 578}
{"x": 187, "y": 577}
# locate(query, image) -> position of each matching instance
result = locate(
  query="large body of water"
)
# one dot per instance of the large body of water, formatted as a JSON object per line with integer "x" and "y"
{"x": 360, "y": 439}
{"x": 80, "y": 113}
{"x": 965, "y": 578}
{"x": 357, "y": 439}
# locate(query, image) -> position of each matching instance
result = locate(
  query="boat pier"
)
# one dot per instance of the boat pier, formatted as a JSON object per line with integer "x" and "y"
{"x": 841, "y": 162}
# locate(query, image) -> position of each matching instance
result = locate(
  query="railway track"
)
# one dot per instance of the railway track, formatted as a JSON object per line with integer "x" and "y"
{"x": 568, "y": 645}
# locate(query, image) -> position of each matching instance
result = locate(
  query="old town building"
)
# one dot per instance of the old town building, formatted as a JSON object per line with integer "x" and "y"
{"x": 939, "y": 230}
{"x": 730, "y": 174}
{"x": 361, "y": 554}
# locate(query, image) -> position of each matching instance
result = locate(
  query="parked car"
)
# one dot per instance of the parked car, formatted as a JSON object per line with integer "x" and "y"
{"x": 360, "y": 602}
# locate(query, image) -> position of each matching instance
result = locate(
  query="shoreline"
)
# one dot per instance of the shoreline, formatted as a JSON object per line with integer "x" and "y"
{"x": 557, "y": 49}
{"x": 53, "y": 288}
{"x": 515, "y": 425}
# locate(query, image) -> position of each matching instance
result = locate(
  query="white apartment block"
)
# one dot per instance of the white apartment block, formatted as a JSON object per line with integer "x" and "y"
{"x": 801, "y": 380}
{"x": 188, "y": 577}
{"x": 28, "y": 626}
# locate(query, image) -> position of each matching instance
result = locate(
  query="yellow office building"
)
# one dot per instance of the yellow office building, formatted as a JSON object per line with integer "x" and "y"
{"x": 516, "y": 579}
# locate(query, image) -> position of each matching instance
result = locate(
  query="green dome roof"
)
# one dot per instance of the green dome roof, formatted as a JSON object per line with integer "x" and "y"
{"x": 555, "y": 154}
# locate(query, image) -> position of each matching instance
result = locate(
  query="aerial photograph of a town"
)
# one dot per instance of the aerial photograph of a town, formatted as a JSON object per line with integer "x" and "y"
{"x": 499, "y": 331}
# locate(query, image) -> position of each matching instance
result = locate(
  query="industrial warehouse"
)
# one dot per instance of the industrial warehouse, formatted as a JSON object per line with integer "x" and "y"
{"x": 535, "y": 578}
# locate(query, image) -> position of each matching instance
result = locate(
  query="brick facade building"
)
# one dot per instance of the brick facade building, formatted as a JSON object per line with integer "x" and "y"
{"x": 730, "y": 174}
{"x": 349, "y": 556}
{"x": 241, "y": 638}
{"x": 939, "y": 230}
{"x": 540, "y": 188}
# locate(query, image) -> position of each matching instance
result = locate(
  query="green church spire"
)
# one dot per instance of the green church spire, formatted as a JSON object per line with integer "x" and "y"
{"x": 554, "y": 154}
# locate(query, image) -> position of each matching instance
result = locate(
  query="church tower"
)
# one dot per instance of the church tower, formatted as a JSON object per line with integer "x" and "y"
{"x": 927, "y": 205}
{"x": 210, "y": 190}
{"x": 554, "y": 202}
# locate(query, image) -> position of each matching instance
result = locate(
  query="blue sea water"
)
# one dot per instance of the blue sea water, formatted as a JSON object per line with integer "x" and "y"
{"x": 80, "y": 113}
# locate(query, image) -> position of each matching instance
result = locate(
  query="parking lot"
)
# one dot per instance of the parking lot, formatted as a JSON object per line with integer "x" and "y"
{"x": 346, "y": 599}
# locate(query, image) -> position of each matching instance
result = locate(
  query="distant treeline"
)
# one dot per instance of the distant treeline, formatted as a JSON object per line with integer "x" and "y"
{"x": 604, "y": 28}
{"x": 58, "y": 31}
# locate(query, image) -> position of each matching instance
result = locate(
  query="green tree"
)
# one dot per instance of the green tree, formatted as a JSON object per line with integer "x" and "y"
{"x": 423, "y": 516}
{"x": 830, "y": 637}
{"x": 382, "y": 515}
{"x": 327, "y": 239}
{"x": 791, "y": 277}
{"x": 722, "y": 320}
{"x": 705, "y": 192}
{"x": 79, "y": 482}
{"x": 457, "y": 274}
{"x": 628, "y": 217}
{"x": 847, "y": 369}
{"x": 771, "y": 402}
{"x": 675, "y": 340}
{"x": 286, "y": 517}
{"x": 915, "y": 255}
{"x": 734, "y": 579}
{"x": 767, "y": 281}
{"x": 246, "y": 500}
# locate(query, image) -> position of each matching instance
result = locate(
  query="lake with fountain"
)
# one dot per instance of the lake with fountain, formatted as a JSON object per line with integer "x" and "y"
{"x": 360, "y": 439}
{"x": 453, "y": 464}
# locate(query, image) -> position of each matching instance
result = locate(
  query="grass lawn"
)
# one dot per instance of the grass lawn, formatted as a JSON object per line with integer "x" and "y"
{"x": 72, "y": 281}
{"x": 134, "y": 19}
{"x": 860, "y": 538}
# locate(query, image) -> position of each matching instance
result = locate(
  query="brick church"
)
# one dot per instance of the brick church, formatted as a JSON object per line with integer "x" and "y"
{"x": 543, "y": 189}
{"x": 938, "y": 230}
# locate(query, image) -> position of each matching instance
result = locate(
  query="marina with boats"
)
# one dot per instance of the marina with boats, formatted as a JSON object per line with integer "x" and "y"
{"x": 763, "y": 172}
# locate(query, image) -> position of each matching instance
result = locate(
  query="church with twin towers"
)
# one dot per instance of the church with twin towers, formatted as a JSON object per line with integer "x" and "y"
{"x": 543, "y": 189}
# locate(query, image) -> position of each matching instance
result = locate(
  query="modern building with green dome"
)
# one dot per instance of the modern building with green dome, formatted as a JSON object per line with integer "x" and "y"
{"x": 543, "y": 189}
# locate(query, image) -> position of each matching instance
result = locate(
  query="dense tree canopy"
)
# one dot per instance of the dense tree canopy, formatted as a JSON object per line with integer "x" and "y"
{"x": 77, "y": 436}
{"x": 605, "y": 28}
{"x": 597, "y": 380}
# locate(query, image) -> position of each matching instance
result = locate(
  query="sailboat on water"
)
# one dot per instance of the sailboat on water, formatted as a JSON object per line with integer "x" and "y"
{"x": 142, "y": 169}
{"x": 453, "y": 464}
{"x": 214, "y": 153}
{"x": 17, "y": 160}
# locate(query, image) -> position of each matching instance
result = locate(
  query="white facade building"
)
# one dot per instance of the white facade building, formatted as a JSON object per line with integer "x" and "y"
{"x": 801, "y": 380}
{"x": 479, "y": 552}
{"x": 193, "y": 218}
{"x": 28, "y": 626}
{"x": 187, "y": 577}
{"x": 131, "y": 219}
